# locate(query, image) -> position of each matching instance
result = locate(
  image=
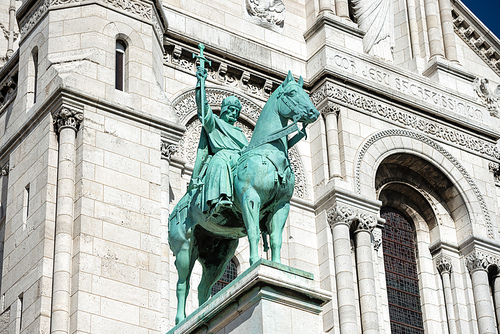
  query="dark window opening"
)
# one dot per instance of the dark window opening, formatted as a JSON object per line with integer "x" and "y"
{"x": 120, "y": 65}
{"x": 401, "y": 273}
{"x": 229, "y": 275}
{"x": 35, "y": 73}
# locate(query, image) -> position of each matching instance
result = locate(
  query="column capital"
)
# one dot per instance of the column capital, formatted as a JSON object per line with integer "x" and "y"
{"x": 330, "y": 108}
{"x": 67, "y": 117}
{"x": 443, "y": 264}
{"x": 167, "y": 150}
{"x": 340, "y": 214}
{"x": 366, "y": 222}
{"x": 479, "y": 260}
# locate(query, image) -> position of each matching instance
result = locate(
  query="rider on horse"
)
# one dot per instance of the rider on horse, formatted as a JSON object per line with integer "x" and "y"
{"x": 218, "y": 150}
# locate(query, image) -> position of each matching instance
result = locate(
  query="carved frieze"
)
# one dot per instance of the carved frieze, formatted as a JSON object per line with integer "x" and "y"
{"x": 424, "y": 139}
{"x": 400, "y": 117}
{"x": 268, "y": 14}
{"x": 66, "y": 117}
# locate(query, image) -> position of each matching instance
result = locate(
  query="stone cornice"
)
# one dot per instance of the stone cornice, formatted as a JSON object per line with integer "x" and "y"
{"x": 399, "y": 116}
{"x": 334, "y": 22}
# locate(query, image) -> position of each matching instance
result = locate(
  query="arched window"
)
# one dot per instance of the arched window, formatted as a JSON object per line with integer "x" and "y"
{"x": 229, "y": 275}
{"x": 120, "y": 60}
{"x": 401, "y": 273}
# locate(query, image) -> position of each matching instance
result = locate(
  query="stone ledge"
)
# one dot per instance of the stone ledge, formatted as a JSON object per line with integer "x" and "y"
{"x": 262, "y": 297}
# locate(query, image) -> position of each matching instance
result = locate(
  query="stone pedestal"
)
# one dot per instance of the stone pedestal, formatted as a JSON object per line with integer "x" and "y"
{"x": 266, "y": 298}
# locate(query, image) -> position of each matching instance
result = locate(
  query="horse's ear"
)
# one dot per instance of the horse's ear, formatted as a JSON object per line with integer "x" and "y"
{"x": 289, "y": 78}
{"x": 301, "y": 81}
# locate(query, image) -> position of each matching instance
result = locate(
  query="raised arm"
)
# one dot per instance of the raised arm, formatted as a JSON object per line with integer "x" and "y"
{"x": 201, "y": 75}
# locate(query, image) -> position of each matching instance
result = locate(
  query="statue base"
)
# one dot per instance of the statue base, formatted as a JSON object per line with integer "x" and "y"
{"x": 267, "y": 298}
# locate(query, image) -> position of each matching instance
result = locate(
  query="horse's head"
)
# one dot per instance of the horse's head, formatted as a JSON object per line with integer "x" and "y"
{"x": 295, "y": 103}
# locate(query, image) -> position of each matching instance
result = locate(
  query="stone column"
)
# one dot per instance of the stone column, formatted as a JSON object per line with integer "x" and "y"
{"x": 330, "y": 113}
{"x": 450, "y": 47}
{"x": 325, "y": 6}
{"x": 167, "y": 150}
{"x": 478, "y": 263}
{"x": 412, "y": 18}
{"x": 434, "y": 31}
{"x": 443, "y": 265}
{"x": 12, "y": 22}
{"x": 342, "y": 8}
{"x": 496, "y": 297}
{"x": 340, "y": 219}
{"x": 366, "y": 276}
{"x": 66, "y": 123}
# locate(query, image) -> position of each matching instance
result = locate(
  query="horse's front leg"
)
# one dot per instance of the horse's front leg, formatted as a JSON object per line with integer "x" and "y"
{"x": 250, "y": 209}
{"x": 277, "y": 225}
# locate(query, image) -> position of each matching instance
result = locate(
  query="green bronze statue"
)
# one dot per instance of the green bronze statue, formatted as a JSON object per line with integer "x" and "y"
{"x": 237, "y": 188}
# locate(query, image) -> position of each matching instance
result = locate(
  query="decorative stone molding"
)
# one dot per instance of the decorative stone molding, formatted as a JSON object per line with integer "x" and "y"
{"x": 167, "y": 150}
{"x": 366, "y": 221}
{"x": 400, "y": 117}
{"x": 340, "y": 214}
{"x": 495, "y": 168}
{"x": 377, "y": 239}
{"x": 5, "y": 170}
{"x": 426, "y": 140}
{"x": 330, "y": 108}
{"x": 486, "y": 96}
{"x": 138, "y": 8}
{"x": 268, "y": 14}
{"x": 443, "y": 264}
{"x": 67, "y": 117}
{"x": 479, "y": 260}
{"x": 220, "y": 72}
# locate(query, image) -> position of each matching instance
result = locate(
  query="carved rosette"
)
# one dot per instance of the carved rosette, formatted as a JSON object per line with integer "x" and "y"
{"x": 167, "y": 150}
{"x": 443, "y": 264}
{"x": 67, "y": 118}
{"x": 478, "y": 260}
{"x": 330, "y": 109}
{"x": 340, "y": 214}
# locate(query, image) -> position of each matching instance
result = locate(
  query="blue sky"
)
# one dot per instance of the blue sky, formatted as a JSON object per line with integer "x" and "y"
{"x": 488, "y": 11}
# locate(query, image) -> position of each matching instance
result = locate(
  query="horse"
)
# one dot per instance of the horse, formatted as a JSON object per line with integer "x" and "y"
{"x": 263, "y": 186}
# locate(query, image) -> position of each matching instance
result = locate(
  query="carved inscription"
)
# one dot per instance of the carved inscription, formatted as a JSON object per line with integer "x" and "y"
{"x": 408, "y": 87}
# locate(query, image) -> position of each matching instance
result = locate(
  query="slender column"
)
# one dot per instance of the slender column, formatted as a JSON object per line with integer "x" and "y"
{"x": 342, "y": 8}
{"x": 450, "y": 46}
{"x": 366, "y": 276}
{"x": 478, "y": 263}
{"x": 325, "y": 6}
{"x": 12, "y": 22}
{"x": 66, "y": 123}
{"x": 496, "y": 297}
{"x": 330, "y": 113}
{"x": 340, "y": 219}
{"x": 167, "y": 150}
{"x": 444, "y": 267}
{"x": 412, "y": 18}
{"x": 431, "y": 12}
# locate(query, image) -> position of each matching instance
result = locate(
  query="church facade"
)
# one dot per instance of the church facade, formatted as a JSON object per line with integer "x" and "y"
{"x": 396, "y": 202}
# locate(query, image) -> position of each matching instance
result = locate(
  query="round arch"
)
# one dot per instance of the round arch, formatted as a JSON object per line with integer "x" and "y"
{"x": 388, "y": 142}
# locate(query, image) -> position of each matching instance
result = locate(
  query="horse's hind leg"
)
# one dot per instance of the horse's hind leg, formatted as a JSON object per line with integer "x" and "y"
{"x": 184, "y": 262}
{"x": 277, "y": 225}
{"x": 214, "y": 264}
{"x": 250, "y": 209}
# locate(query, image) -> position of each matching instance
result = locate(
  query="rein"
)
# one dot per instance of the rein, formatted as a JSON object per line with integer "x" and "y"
{"x": 281, "y": 132}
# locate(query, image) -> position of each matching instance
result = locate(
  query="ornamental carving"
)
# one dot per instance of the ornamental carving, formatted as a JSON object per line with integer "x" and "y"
{"x": 377, "y": 238}
{"x": 366, "y": 221}
{"x": 188, "y": 145}
{"x": 488, "y": 97}
{"x": 341, "y": 214}
{"x": 67, "y": 117}
{"x": 426, "y": 140}
{"x": 269, "y": 14}
{"x": 167, "y": 150}
{"x": 134, "y": 7}
{"x": 443, "y": 264}
{"x": 5, "y": 170}
{"x": 329, "y": 90}
{"x": 330, "y": 109}
{"x": 495, "y": 168}
{"x": 478, "y": 260}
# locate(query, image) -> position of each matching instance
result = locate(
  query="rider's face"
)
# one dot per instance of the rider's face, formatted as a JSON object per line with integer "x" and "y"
{"x": 230, "y": 115}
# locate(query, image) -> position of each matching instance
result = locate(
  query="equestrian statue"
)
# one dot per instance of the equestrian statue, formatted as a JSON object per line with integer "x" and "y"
{"x": 237, "y": 188}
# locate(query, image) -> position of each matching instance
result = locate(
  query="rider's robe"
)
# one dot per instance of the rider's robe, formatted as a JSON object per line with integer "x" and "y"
{"x": 218, "y": 149}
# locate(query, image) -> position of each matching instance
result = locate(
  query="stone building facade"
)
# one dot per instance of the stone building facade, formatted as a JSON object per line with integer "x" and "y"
{"x": 396, "y": 203}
